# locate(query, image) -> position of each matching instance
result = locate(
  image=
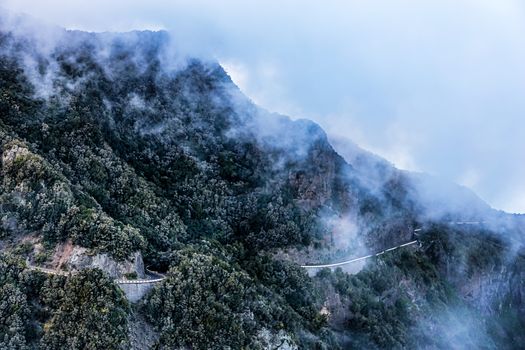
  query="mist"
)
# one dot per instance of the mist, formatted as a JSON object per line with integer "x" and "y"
{"x": 435, "y": 87}
{"x": 379, "y": 206}
{"x": 437, "y": 197}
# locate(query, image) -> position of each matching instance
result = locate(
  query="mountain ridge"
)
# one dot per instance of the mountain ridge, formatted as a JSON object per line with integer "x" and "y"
{"x": 108, "y": 147}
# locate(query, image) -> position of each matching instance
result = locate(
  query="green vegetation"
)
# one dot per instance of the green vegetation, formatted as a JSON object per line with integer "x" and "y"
{"x": 92, "y": 314}
{"x": 226, "y": 306}
{"x": 86, "y": 311}
{"x": 381, "y": 299}
{"x": 215, "y": 301}
{"x": 119, "y": 154}
{"x": 14, "y": 307}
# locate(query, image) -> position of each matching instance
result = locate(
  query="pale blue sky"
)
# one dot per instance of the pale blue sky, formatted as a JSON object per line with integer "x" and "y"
{"x": 434, "y": 86}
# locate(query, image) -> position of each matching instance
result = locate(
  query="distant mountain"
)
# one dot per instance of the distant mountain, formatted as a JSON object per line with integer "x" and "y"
{"x": 121, "y": 155}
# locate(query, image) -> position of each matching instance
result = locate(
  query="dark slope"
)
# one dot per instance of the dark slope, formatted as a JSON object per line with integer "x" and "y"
{"x": 114, "y": 143}
{"x": 134, "y": 140}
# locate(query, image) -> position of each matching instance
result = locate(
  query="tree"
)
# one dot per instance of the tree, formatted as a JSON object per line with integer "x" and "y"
{"x": 91, "y": 315}
{"x": 202, "y": 304}
{"x": 14, "y": 315}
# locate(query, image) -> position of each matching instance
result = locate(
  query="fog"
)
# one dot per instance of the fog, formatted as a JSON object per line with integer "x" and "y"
{"x": 437, "y": 198}
{"x": 272, "y": 129}
{"x": 435, "y": 86}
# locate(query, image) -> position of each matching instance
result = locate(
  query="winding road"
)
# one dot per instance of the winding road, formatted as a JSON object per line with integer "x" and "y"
{"x": 358, "y": 259}
{"x": 159, "y": 276}
{"x": 346, "y": 262}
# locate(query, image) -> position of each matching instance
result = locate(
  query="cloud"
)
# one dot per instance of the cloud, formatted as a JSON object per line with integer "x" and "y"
{"x": 436, "y": 85}
{"x": 470, "y": 178}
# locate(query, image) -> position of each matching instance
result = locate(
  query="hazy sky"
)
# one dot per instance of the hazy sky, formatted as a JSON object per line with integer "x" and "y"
{"x": 435, "y": 86}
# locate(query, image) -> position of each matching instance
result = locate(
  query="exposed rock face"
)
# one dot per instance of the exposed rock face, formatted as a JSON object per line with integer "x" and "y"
{"x": 136, "y": 291}
{"x": 335, "y": 308}
{"x": 490, "y": 290}
{"x": 483, "y": 289}
{"x": 80, "y": 259}
{"x": 13, "y": 153}
{"x": 279, "y": 340}
{"x": 318, "y": 180}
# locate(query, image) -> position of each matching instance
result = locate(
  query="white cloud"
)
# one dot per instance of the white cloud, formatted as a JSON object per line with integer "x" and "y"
{"x": 432, "y": 85}
{"x": 513, "y": 202}
{"x": 470, "y": 178}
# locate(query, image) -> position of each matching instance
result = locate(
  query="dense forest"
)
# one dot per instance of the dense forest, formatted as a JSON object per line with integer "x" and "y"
{"x": 114, "y": 147}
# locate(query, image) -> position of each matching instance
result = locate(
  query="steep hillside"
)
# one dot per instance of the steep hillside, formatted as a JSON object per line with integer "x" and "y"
{"x": 121, "y": 155}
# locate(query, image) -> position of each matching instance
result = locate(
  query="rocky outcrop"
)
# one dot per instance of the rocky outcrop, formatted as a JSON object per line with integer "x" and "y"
{"x": 490, "y": 291}
{"x": 280, "y": 340}
{"x": 135, "y": 291}
{"x": 81, "y": 259}
{"x": 318, "y": 179}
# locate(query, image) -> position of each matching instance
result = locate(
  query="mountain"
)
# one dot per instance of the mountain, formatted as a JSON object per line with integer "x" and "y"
{"x": 121, "y": 156}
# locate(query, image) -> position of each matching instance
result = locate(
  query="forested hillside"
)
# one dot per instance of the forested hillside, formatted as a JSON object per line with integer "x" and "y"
{"x": 119, "y": 150}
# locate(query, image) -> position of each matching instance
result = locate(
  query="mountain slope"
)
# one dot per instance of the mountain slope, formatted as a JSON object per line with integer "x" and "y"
{"x": 115, "y": 149}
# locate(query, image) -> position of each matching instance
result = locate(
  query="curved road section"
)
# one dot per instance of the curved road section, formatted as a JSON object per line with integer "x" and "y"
{"x": 342, "y": 263}
{"x": 156, "y": 277}
{"x": 358, "y": 259}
